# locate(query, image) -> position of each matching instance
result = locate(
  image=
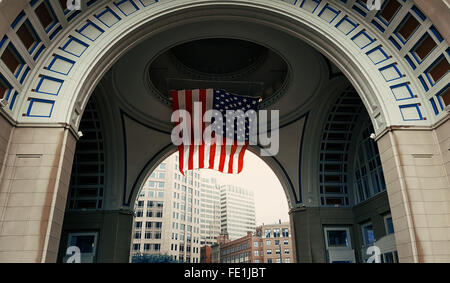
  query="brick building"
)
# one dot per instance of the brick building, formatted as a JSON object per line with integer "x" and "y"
{"x": 270, "y": 244}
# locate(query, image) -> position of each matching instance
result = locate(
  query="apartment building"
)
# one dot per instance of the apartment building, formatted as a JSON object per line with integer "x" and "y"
{"x": 167, "y": 214}
{"x": 237, "y": 211}
{"x": 269, "y": 244}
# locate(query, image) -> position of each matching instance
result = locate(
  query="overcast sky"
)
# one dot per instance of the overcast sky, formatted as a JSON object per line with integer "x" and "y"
{"x": 270, "y": 199}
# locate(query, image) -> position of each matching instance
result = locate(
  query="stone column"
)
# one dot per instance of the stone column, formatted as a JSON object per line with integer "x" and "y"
{"x": 307, "y": 235}
{"x": 114, "y": 233}
{"x": 33, "y": 192}
{"x": 416, "y": 167}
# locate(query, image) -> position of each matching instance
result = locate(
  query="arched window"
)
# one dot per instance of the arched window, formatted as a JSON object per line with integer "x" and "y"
{"x": 88, "y": 172}
{"x": 368, "y": 173}
{"x": 335, "y": 149}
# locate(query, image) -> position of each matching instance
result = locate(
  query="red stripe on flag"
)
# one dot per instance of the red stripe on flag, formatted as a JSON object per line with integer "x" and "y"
{"x": 201, "y": 148}
{"x": 241, "y": 157}
{"x": 230, "y": 163}
{"x": 176, "y": 106}
{"x": 189, "y": 104}
{"x": 223, "y": 155}
{"x": 212, "y": 155}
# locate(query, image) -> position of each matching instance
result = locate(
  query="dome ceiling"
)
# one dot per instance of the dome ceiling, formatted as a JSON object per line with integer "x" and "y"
{"x": 244, "y": 58}
{"x": 238, "y": 66}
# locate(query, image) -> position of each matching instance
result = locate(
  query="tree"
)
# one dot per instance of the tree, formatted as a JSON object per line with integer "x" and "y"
{"x": 155, "y": 258}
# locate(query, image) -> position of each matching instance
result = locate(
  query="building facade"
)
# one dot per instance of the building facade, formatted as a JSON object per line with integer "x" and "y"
{"x": 269, "y": 244}
{"x": 247, "y": 249}
{"x": 167, "y": 214}
{"x": 209, "y": 211}
{"x": 237, "y": 211}
{"x": 276, "y": 243}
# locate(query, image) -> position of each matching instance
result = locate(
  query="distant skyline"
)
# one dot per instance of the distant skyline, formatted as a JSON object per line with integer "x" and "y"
{"x": 270, "y": 200}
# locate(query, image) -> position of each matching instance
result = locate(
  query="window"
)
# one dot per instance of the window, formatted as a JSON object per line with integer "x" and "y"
{"x": 277, "y": 242}
{"x": 160, "y": 185}
{"x": 337, "y": 237}
{"x": 136, "y": 247}
{"x": 369, "y": 178}
{"x": 86, "y": 242}
{"x": 256, "y": 253}
{"x": 147, "y": 247}
{"x": 285, "y": 232}
{"x": 389, "y": 224}
{"x": 152, "y": 184}
{"x": 276, "y": 233}
{"x": 286, "y": 251}
{"x": 148, "y": 235}
{"x": 368, "y": 236}
{"x": 267, "y": 233}
{"x": 269, "y": 252}
{"x": 286, "y": 242}
{"x": 148, "y": 225}
{"x": 138, "y": 224}
{"x": 137, "y": 235}
{"x": 287, "y": 260}
{"x": 268, "y": 243}
{"x": 140, "y": 204}
{"x": 255, "y": 244}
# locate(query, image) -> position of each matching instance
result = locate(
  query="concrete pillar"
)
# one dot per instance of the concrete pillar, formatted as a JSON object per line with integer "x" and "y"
{"x": 307, "y": 235}
{"x": 416, "y": 168}
{"x": 33, "y": 191}
{"x": 114, "y": 233}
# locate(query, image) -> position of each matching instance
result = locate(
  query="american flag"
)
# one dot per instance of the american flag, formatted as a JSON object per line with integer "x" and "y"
{"x": 227, "y": 157}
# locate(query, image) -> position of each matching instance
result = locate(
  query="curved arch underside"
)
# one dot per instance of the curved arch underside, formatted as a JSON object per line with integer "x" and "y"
{"x": 400, "y": 80}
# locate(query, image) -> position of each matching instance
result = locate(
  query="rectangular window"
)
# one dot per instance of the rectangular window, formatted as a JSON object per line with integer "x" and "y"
{"x": 337, "y": 237}
{"x": 368, "y": 235}
{"x": 389, "y": 224}
{"x": 276, "y": 233}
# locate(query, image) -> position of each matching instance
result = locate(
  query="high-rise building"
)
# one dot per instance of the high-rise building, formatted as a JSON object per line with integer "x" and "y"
{"x": 176, "y": 214}
{"x": 167, "y": 211}
{"x": 209, "y": 211}
{"x": 237, "y": 211}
